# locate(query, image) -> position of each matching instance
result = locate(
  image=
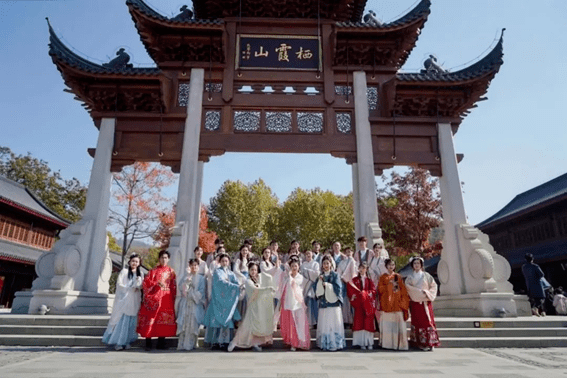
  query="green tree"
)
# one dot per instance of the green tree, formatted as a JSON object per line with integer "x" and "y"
{"x": 240, "y": 211}
{"x": 309, "y": 215}
{"x": 65, "y": 197}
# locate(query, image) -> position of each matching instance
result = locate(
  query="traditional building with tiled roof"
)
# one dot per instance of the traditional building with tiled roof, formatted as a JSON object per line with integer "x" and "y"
{"x": 27, "y": 229}
{"x": 535, "y": 222}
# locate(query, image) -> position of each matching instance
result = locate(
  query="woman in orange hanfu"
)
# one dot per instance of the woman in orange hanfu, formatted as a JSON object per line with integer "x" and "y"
{"x": 394, "y": 305}
{"x": 157, "y": 314}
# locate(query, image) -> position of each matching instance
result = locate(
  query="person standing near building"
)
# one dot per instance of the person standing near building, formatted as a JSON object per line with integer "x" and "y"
{"x": 222, "y": 311}
{"x": 191, "y": 309}
{"x": 394, "y": 306}
{"x": 157, "y": 314}
{"x": 422, "y": 290}
{"x": 328, "y": 289}
{"x": 362, "y": 295}
{"x": 121, "y": 330}
{"x": 535, "y": 283}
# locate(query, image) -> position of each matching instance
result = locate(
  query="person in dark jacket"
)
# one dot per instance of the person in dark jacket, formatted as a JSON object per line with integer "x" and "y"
{"x": 535, "y": 284}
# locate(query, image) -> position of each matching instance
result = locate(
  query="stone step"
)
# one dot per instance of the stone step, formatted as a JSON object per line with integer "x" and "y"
{"x": 501, "y": 332}
{"x": 54, "y": 320}
{"x": 524, "y": 322}
{"x": 447, "y": 342}
{"x": 102, "y": 321}
{"x": 443, "y": 332}
{"x": 52, "y": 330}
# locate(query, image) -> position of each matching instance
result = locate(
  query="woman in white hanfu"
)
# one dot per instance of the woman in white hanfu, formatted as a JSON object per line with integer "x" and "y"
{"x": 346, "y": 271}
{"x": 240, "y": 270}
{"x": 309, "y": 269}
{"x": 291, "y": 310}
{"x": 191, "y": 307}
{"x": 422, "y": 290}
{"x": 121, "y": 330}
{"x": 376, "y": 268}
{"x": 266, "y": 265}
{"x": 257, "y": 326}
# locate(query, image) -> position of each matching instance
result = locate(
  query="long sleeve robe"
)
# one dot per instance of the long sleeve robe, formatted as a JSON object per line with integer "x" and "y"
{"x": 191, "y": 310}
{"x": 363, "y": 300}
{"x": 157, "y": 315}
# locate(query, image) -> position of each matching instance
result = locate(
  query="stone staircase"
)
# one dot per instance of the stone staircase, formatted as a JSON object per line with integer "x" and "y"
{"x": 86, "y": 331}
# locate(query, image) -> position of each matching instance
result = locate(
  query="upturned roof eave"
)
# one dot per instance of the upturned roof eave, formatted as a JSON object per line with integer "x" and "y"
{"x": 419, "y": 14}
{"x": 486, "y": 67}
{"x": 63, "y": 56}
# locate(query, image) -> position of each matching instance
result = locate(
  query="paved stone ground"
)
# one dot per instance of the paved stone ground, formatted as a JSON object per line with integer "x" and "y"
{"x": 45, "y": 362}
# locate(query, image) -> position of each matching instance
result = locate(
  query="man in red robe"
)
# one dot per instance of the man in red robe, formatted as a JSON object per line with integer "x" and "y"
{"x": 362, "y": 295}
{"x": 157, "y": 313}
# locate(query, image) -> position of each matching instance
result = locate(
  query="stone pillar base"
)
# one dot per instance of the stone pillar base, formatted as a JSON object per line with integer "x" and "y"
{"x": 62, "y": 302}
{"x": 21, "y": 303}
{"x": 488, "y": 305}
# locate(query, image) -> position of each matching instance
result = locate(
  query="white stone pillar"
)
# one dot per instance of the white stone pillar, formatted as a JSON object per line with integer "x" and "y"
{"x": 474, "y": 278}
{"x": 356, "y": 202}
{"x": 453, "y": 212}
{"x": 96, "y": 208}
{"x": 197, "y": 213}
{"x": 368, "y": 207}
{"x": 185, "y": 233}
{"x": 73, "y": 277}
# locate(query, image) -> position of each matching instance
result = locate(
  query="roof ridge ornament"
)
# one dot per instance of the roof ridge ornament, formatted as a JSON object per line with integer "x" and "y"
{"x": 185, "y": 14}
{"x": 371, "y": 19}
{"x": 432, "y": 67}
{"x": 120, "y": 62}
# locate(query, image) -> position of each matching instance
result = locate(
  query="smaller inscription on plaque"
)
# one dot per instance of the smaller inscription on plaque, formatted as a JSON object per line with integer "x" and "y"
{"x": 281, "y": 52}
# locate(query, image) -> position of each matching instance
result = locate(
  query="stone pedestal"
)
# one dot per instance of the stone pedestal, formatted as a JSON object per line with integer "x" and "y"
{"x": 74, "y": 275}
{"x": 474, "y": 278}
{"x": 62, "y": 302}
{"x": 365, "y": 207}
{"x": 487, "y": 305}
{"x": 185, "y": 235}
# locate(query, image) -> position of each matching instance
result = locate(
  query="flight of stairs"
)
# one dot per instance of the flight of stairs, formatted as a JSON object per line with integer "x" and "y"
{"x": 86, "y": 331}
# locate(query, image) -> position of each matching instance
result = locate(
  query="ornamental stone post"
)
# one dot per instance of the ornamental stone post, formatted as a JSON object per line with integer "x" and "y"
{"x": 185, "y": 235}
{"x": 73, "y": 276}
{"x": 474, "y": 278}
{"x": 367, "y": 205}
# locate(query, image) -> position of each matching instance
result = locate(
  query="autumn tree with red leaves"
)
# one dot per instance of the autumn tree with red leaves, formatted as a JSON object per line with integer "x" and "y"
{"x": 167, "y": 221}
{"x": 137, "y": 201}
{"x": 410, "y": 207}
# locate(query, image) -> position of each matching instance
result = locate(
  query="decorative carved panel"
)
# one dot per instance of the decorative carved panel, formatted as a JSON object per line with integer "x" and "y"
{"x": 278, "y": 122}
{"x": 372, "y": 94}
{"x": 310, "y": 122}
{"x": 183, "y": 94}
{"x": 212, "y": 120}
{"x": 344, "y": 123}
{"x": 247, "y": 121}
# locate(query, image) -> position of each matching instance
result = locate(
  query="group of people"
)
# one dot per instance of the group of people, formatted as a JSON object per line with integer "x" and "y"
{"x": 544, "y": 299}
{"x": 242, "y": 300}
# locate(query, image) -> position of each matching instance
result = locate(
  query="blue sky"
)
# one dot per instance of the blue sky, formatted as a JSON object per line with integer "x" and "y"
{"x": 512, "y": 142}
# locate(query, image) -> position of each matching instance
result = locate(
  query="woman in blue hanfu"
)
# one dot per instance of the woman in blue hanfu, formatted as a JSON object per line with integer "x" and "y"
{"x": 328, "y": 289}
{"x": 191, "y": 307}
{"x": 121, "y": 330}
{"x": 258, "y": 325}
{"x": 222, "y": 312}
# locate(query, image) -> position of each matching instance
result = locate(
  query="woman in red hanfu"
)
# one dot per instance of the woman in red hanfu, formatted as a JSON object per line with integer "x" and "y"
{"x": 362, "y": 295}
{"x": 422, "y": 290}
{"x": 157, "y": 314}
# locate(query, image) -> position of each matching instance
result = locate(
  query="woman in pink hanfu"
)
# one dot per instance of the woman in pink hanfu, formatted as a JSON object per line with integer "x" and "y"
{"x": 291, "y": 310}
